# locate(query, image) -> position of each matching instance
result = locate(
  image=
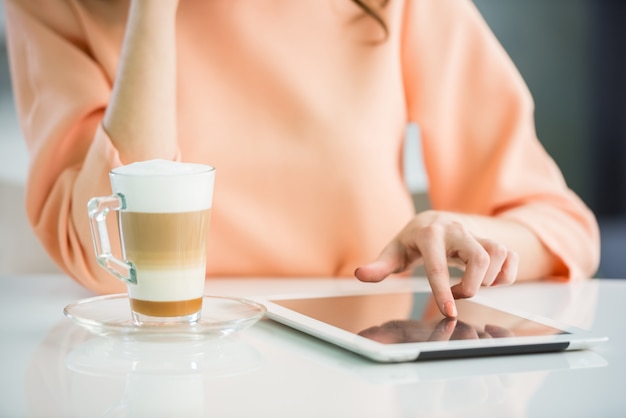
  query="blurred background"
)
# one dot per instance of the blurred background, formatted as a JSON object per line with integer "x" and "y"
{"x": 572, "y": 54}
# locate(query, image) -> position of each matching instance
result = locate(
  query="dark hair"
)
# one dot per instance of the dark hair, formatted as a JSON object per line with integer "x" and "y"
{"x": 372, "y": 9}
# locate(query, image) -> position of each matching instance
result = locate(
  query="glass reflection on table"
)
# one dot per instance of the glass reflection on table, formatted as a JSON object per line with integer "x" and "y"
{"x": 74, "y": 372}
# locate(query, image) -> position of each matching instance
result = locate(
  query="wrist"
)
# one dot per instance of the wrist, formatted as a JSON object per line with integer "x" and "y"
{"x": 158, "y": 12}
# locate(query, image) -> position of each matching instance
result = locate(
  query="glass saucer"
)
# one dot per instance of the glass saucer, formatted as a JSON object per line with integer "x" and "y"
{"x": 111, "y": 315}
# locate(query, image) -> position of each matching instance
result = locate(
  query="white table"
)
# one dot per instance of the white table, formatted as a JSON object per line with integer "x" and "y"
{"x": 51, "y": 367}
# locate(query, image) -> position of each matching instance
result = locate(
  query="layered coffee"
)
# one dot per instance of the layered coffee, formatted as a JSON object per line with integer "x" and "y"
{"x": 164, "y": 227}
{"x": 169, "y": 254}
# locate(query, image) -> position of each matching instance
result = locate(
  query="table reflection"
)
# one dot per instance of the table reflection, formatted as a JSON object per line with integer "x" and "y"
{"x": 75, "y": 373}
{"x": 272, "y": 370}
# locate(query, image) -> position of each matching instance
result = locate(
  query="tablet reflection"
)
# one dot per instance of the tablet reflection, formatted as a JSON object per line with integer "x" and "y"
{"x": 414, "y": 317}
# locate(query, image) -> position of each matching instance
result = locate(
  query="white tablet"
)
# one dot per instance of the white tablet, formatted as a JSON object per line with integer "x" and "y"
{"x": 407, "y": 326}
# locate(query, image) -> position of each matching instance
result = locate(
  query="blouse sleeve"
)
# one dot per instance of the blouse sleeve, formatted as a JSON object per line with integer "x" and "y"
{"x": 481, "y": 151}
{"x": 61, "y": 92}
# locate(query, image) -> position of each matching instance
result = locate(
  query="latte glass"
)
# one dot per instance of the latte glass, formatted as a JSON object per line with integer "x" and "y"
{"x": 164, "y": 209}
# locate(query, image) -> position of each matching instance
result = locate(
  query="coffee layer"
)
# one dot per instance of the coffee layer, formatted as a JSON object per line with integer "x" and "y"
{"x": 165, "y": 240}
{"x": 166, "y": 309}
{"x": 169, "y": 285}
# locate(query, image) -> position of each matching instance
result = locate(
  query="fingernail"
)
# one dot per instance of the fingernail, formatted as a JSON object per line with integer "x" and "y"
{"x": 450, "y": 309}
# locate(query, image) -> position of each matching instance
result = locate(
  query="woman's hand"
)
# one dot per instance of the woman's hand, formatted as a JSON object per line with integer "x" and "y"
{"x": 438, "y": 239}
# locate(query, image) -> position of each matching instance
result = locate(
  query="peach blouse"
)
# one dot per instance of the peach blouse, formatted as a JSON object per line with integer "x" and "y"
{"x": 302, "y": 112}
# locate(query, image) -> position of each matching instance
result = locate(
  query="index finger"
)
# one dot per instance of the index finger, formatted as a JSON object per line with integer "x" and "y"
{"x": 436, "y": 268}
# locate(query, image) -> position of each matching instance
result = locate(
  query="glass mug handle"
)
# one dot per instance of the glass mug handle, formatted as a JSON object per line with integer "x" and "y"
{"x": 98, "y": 208}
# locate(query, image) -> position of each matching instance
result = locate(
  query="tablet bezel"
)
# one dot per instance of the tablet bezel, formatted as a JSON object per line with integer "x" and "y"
{"x": 573, "y": 338}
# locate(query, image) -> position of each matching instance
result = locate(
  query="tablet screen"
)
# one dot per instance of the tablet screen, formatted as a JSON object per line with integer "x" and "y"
{"x": 414, "y": 317}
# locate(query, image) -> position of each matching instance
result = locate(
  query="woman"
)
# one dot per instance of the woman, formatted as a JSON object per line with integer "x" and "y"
{"x": 301, "y": 107}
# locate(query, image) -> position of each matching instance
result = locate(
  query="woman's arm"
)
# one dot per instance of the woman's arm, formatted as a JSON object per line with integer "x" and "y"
{"x": 501, "y": 208}
{"x": 86, "y": 107}
{"x": 141, "y": 115}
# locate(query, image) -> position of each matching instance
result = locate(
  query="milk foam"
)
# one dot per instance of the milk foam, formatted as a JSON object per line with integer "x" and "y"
{"x": 168, "y": 285}
{"x": 162, "y": 186}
